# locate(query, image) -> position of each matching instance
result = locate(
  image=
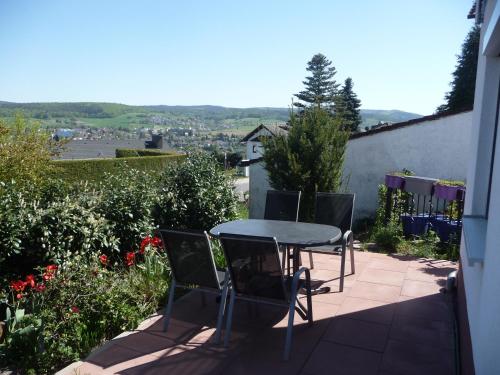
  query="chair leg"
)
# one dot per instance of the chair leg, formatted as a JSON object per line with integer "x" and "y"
{"x": 229, "y": 321}
{"x": 283, "y": 259}
{"x": 220, "y": 316}
{"x": 311, "y": 262}
{"x": 351, "y": 248}
{"x": 289, "y": 328}
{"x": 342, "y": 269}
{"x": 168, "y": 307}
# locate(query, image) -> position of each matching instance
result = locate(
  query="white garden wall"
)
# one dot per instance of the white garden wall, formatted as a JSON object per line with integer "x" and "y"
{"x": 435, "y": 146}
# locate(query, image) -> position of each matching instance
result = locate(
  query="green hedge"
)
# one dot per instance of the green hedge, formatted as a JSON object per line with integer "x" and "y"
{"x": 94, "y": 169}
{"x": 132, "y": 152}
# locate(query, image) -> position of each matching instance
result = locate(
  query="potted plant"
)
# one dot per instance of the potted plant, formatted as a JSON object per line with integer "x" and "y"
{"x": 449, "y": 190}
{"x": 395, "y": 180}
{"x": 420, "y": 185}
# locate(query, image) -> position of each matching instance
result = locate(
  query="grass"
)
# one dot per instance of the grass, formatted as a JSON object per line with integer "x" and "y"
{"x": 242, "y": 210}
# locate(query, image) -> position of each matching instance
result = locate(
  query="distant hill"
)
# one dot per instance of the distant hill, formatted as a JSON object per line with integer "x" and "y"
{"x": 202, "y": 116}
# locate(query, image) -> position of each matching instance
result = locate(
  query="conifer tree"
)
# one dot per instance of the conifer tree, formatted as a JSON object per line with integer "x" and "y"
{"x": 309, "y": 158}
{"x": 320, "y": 87}
{"x": 347, "y": 107}
{"x": 463, "y": 85}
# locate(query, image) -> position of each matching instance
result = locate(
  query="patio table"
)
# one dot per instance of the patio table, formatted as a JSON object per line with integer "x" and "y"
{"x": 287, "y": 233}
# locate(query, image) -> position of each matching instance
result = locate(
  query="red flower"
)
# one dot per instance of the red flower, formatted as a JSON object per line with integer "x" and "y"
{"x": 40, "y": 287}
{"x": 30, "y": 280}
{"x": 156, "y": 242}
{"x": 103, "y": 259}
{"x": 75, "y": 309}
{"x": 130, "y": 258}
{"x": 50, "y": 271}
{"x": 51, "y": 268}
{"x": 19, "y": 296}
{"x": 145, "y": 242}
{"x": 18, "y": 285}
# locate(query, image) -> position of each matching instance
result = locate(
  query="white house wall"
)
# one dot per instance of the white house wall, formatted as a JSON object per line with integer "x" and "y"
{"x": 437, "y": 148}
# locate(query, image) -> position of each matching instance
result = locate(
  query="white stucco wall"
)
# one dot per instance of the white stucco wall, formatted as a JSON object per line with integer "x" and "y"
{"x": 482, "y": 280}
{"x": 437, "y": 148}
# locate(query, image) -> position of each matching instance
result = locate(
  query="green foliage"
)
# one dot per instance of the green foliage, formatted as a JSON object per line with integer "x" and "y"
{"x": 95, "y": 169}
{"x": 195, "y": 194}
{"x": 84, "y": 304}
{"x": 463, "y": 85}
{"x": 25, "y": 151}
{"x": 45, "y": 225}
{"x": 388, "y": 237}
{"x": 320, "y": 87}
{"x": 132, "y": 152}
{"x": 451, "y": 183}
{"x": 347, "y": 107}
{"x": 309, "y": 159}
{"x": 125, "y": 201}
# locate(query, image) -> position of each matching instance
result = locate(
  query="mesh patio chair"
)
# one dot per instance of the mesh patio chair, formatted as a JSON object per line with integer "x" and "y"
{"x": 283, "y": 205}
{"x": 257, "y": 276}
{"x": 335, "y": 209}
{"x": 193, "y": 267}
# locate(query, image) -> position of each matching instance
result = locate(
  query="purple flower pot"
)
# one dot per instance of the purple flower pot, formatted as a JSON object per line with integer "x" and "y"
{"x": 394, "y": 182}
{"x": 450, "y": 193}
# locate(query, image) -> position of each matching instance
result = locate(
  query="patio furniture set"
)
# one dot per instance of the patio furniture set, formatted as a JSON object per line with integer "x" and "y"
{"x": 263, "y": 257}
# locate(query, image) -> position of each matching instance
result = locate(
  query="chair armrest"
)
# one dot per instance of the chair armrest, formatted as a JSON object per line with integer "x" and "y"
{"x": 347, "y": 238}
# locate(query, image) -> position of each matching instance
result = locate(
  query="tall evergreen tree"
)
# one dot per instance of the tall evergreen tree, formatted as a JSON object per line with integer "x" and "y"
{"x": 320, "y": 87}
{"x": 463, "y": 85}
{"x": 347, "y": 107}
{"x": 309, "y": 158}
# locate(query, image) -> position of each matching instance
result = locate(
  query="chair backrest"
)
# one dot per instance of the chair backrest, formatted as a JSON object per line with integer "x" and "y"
{"x": 191, "y": 259}
{"x": 254, "y": 266}
{"x": 282, "y": 205}
{"x": 334, "y": 209}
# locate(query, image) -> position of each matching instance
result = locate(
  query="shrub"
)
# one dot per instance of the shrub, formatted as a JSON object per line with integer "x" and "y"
{"x": 126, "y": 200}
{"x": 94, "y": 170}
{"x": 131, "y": 152}
{"x": 25, "y": 151}
{"x": 195, "y": 194}
{"x": 309, "y": 158}
{"x": 67, "y": 312}
{"x": 388, "y": 237}
{"x": 48, "y": 224}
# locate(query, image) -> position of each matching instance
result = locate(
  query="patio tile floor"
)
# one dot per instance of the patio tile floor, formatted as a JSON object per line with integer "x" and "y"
{"x": 392, "y": 318}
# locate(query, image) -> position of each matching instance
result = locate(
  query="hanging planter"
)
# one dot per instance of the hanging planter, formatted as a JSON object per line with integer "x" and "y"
{"x": 419, "y": 185}
{"x": 394, "y": 181}
{"x": 448, "y": 192}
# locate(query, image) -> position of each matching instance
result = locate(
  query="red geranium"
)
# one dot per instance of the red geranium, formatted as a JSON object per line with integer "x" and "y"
{"x": 75, "y": 309}
{"x": 156, "y": 242}
{"x": 40, "y": 287}
{"x": 19, "y": 295}
{"x": 130, "y": 258}
{"x": 103, "y": 259}
{"x": 50, "y": 271}
{"x": 30, "y": 280}
{"x": 18, "y": 285}
{"x": 145, "y": 242}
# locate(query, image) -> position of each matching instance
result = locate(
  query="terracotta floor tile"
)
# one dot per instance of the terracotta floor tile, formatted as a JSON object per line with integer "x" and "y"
{"x": 382, "y": 276}
{"x": 434, "y": 275}
{"x": 433, "y": 333}
{"x": 357, "y": 333}
{"x": 113, "y": 355}
{"x": 433, "y": 307}
{"x": 414, "y": 359}
{"x": 334, "y": 296}
{"x": 369, "y": 310}
{"x": 412, "y": 288}
{"x": 378, "y": 292}
{"x": 388, "y": 264}
{"x": 90, "y": 369}
{"x": 330, "y": 358}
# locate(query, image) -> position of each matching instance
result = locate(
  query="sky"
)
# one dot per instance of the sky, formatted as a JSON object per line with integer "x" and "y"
{"x": 400, "y": 53}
